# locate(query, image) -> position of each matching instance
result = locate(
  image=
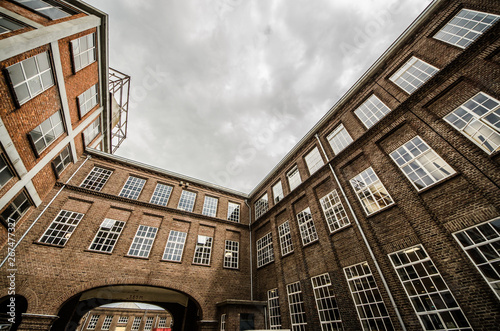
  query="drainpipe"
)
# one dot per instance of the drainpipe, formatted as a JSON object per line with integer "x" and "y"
{"x": 251, "y": 258}
{"x": 365, "y": 240}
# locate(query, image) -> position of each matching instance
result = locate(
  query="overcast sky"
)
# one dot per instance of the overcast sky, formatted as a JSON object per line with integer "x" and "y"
{"x": 221, "y": 90}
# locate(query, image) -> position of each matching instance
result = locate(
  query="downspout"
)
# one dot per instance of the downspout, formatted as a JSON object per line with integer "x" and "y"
{"x": 365, "y": 240}
{"x": 251, "y": 258}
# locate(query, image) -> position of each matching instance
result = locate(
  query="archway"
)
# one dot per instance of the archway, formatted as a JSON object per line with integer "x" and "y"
{"x": 11, "y": 309}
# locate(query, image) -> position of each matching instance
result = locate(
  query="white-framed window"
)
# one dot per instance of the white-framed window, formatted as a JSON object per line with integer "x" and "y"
{"x": 369, "y": 304}
{"x": 261, "y": 206}
{"x": 161, "y": 194}
{"x": 335, "y": 214}
{"x": 149, "y": 323}
{"x": 92, "y": 131}
{"x": 231, "y": 253}
{"x": 203, "y": 250}
{"x": 413, "y": 74}
{"x": 277, "y": 192}
{"x": 326, "y": 303}
{"x": 306, "y": 227}
{"x": 233, "y": 212}
{"x": 479, "y": 120}
{"x": 175, "y": 246}
{"x": 6, "y": 174}
{"x": 466, "y": 27}
{"x": 210, "y": 206}
{"x": 296, "y": 305}
{"x": 273, "y": 304}
{"x": 88, "y": 100}
{"x": 429, "y": 295}
{"x": 107, "y": 322}
{"x": 83, "y": 51}
{"x": 31, "y": 77}
{"x": 62, "y": 160}
{"x": 123, "y": 319}
{"x": 96, "y": 179}
{"x": 421, "y": 164}
{"x": 223, "y": 322}
{"x": 17, "y": 208}
{"x": 47, "y": 132}
{"x": 481, "y": 243}
{"x": 132, "y": 187}
{"x": 286, "y": 243}
{"x": 136, "y": 323}
{"x": 49, "y": 8}
{"x": 61, "y": 228}
{"x": 314, "y": 160}
{"x": 265, "y": 253}
{"x": 187, "y": 200}
{"x": 339, "y": 138}
{"x": 371, "y": 111}
{"x": 93, "y": 322}
{"x": 8, "y": 25}
{"x": 293, "y": 178}
{"x": 370, "y": 191}
{"x": 162, "y": 322}
{"x": 143, "y": 241}
{"x": 107, "y": 236}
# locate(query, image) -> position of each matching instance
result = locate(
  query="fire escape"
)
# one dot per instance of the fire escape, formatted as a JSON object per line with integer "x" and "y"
{"x": 119, "y": 90}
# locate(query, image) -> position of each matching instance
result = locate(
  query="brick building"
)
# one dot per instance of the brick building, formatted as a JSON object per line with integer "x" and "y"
{"x": 385, "y": 216}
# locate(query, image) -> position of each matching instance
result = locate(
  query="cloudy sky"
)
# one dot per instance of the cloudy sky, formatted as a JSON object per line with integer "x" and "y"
{"x": 221, "y": 90}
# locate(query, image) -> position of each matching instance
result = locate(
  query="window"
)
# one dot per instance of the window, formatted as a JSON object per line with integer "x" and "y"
{"x": 233, "y": 212}
{"x": 175, "y": 246}
{"x": 83, "y": 51}
{"x": 371, "y": 111}
{"x": 96, "y": 179}
{"x": 62, "y": 160}
{"x": 479, "y": 120}
{"x": 265, "y": 252}
{"x": 161, "y": 194}
{"x": 59, "y": 232}
{"x": 132, "y": 187}
{"x": 162, "y": 322}
{"x": 51, "y": 9}
{"x": 92, "y": 131}
{"x": 481, "y": 243}
{"x": 420, "y": 163}
{"x": 187, "y": 200}
{"x": 210, "y": 206}
{"x": 107, "y": 322}
{"x": 17, "y": 208}
{"x": 328, "y": 310}
{"x": 8, "y": 25}
{"x": 261, "y": 206}
{"x": 149, "y": 323}
{"x": 31, "y": 77}
{"x": 431, "y": 299}
{"x": 306, "y": 227}
{"x": 367, "y": 299}
{"x": 334, "y": 211}
{"x": 47, "y": 132}
{"x": 136, "y": 324}
{"x": 285, "y": 238}
{"x": 340, "y": 138}
{"x": 293, "y": 178}
{"x": 413, "y": 74}
{"x": 277, "y": 192}
{"x": 231, "y": 254}
{"x": 203, "y": 250}
{"x": 466, "y": 27}
{"x": 296, "y": 304}
{"x": 107, "y": 236}
{"x": 223, "y": 322}
{"x": 370, "y": 191}
{"x": 93, "y": 322}
{"x": 123, "y": 319}
{"x": 314, "y": 160}
{"x": 143, "y": 241}
{"x": 88, "y": 100}
{"x": 5, "y": 173}
{"x": 273, "y": 303}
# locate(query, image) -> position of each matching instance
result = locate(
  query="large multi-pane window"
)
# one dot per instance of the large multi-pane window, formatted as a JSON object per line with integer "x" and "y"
{"x": 328, "y": 310}
{"x": 149, "y": 323}
{"x": 93, "y": 322}
{"x": 47, "y": 132}
{"x": 482, "y": 245}
{"x": 293, "y": 178}
{"x": 265, "y": 252}
{"x": 367, "y": 299}
{"x": 273, "y": 304}
{"x": 306, "y": 227}
{"x": 61, "y": 161}
{"x": 107, "y": 322}
{"x": 8, "y": 25}
{"x": 96, "y": 179}
{"x": 223, "y": 322}
{"x": 339, "y": 139}
{"x": 420, "y": 163}
{"x": 371, "y": 111}
{"x": 123, "y": 319}
{"x": 61, "y": 228}
{"x": 132, "y": 187}
{"x": 261, "y": 206}
{"x": 5, "y": 172}
{"x": 162, "y": 322}
{"x": 429, "y": 295}
{"x": 88, "y": 100}
{"x": 413, "y": 74}
{"x": 466, "y": 27}
{"x": 31, "y": 77}
{"x": 210, "y": 206}
{"x": 231, "y": 253}
{"x": 92, "y": 131}
{"x": 175, "y": 246}
{"x": 370, "y": 191}
{"x": 161, "y": 194}
{"x": 334, "y": 211}
{"x": 83, "y": 51}
{"x": 143, "y": 241}
{"x": 187, "y": 200}
{"x": 49, "y": 8}
{"x": 203, "y": 250}
{"x": 233, "y": 212}
{"x": 314, "y": 160}
{"x": 17, "y": 208}
{"x": 285, "y": 238}
{"x": 296, "y": 305}
{"x": 277, "y": 192}
{"x": 479, "y": 120}
{"x": 107, "y": 236}
{"x": 136, "y": 323}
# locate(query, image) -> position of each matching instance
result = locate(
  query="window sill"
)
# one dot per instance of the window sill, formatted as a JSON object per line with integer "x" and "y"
{"x": 442, "y": 181}
{"x": 232, "y": 269}
{"x": 310, "y": 243}
{"x": 98, "y": 252}
{"x": 287, "y": 254}
{"x": 136, "y": 257}
{"x": 341, "y": 229}
{"x": 392, "y": 205}
{"x": 265, "y": 265}
{"x": 201, "y": 265}
{"x": 49, "y": 245}
{"x": 169, "y": 261}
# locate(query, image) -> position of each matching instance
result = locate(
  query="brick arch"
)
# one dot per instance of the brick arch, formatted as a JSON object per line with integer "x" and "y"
{"x": 25, "y": 292}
